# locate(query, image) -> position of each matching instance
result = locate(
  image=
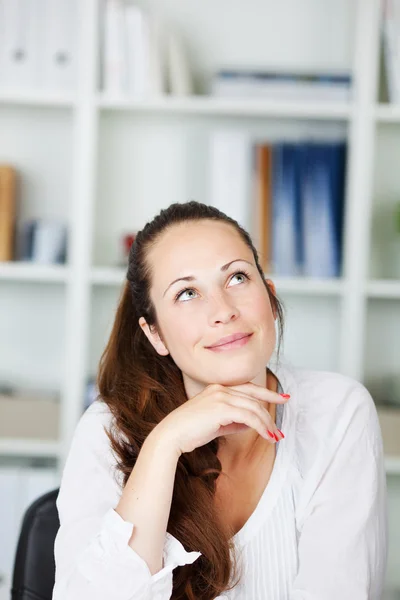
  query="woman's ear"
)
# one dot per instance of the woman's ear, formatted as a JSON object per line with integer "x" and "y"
{"x": 272, "y": 287}
{"x": 271, "y": 284}
{"x": 154, "y": 338}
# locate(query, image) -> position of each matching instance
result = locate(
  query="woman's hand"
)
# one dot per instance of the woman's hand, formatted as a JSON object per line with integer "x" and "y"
{"x": 220, "y": 410}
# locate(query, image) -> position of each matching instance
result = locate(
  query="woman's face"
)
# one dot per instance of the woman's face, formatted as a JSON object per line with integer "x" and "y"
{"x": 219, "y": 301}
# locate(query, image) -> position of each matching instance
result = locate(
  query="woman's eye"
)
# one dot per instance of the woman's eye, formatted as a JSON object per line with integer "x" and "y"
{"x": 187, "y": 290}
{"x": 179, "y": 296}
{"x": 243, "y": 275}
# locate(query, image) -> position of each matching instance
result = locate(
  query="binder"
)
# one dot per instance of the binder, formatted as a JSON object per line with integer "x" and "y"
{"x": 287, "y": 256}
{"x": 230, "y": 175}
{"x": 114, "y": 57}
{"x": 59, "y": 48}
{"x": 179, "y": 77}
{"x": 20, "y": 44}
{"x": 137, "y": 38}
{"x": 322, "y": 202}
{"x": 155, "y": 49}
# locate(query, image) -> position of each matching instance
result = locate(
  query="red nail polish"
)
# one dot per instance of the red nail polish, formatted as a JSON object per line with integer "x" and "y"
{"x": 285, "y": 395}
{"x": 270, "y": 433}
{"x": 281, "y": 433}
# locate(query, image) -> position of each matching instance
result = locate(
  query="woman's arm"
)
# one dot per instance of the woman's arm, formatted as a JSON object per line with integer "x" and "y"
{"x": 147, "y": 498}
{"x": 343, "y": 528}
{"x": 93, "y": 556}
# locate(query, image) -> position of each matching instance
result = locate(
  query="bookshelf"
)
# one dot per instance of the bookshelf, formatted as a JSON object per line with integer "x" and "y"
{"x": 85, "y": 137}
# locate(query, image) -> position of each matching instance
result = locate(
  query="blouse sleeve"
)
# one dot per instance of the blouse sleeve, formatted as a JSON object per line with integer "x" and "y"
{"x": 93, "y": 558}
{"x": 343, "y": 533}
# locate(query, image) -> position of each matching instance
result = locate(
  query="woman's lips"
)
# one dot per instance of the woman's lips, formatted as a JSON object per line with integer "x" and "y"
{"x": 231, "y": 345}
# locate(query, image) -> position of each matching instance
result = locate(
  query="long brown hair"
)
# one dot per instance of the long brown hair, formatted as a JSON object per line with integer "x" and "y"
{"x": 141, "y": 387}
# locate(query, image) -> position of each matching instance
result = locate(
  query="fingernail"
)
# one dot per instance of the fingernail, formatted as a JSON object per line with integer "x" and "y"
{"x": 271, "y": 434}
{"x": 285, "y": 395}
{"x": 281, "y": 433}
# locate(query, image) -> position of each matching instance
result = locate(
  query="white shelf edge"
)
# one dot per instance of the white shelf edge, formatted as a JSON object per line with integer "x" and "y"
{"x": 387, "y": 113}
{"x": 116, "y": 276}
{"x": 28, "y": 271}
{"x": 28, "y": 448}
{"x": 37, "y": 98}
{"x": 383, "y": 288}
{"x": 208, "y": 105}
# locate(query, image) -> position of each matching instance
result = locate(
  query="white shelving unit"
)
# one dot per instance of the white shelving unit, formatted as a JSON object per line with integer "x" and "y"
{"x": 91, "y": 112}
{"x": 106, "y": 171}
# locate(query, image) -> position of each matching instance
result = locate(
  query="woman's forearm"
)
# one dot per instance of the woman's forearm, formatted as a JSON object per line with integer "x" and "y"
{"x": 146, "y": 499}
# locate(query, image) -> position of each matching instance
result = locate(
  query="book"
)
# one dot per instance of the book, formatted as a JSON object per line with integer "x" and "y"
{"x": 262, "y": 228}
{"x": 49, "y": 243}
{"x": 8, "y": 210}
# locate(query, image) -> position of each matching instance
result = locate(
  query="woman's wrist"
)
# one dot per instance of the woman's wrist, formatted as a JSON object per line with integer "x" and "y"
{"x": 161, "y": 443}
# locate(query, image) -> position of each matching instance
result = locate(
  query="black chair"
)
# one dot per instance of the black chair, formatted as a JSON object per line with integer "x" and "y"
{"x": 34, "y": 566}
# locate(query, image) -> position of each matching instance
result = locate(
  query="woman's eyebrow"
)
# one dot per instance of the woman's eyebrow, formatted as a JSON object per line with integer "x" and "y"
{"x": 192, "y": 278}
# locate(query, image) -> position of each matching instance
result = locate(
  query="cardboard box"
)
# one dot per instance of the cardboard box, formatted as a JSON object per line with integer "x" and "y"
{"x": 389, "y": 419}
{"x": 32, "y": 417}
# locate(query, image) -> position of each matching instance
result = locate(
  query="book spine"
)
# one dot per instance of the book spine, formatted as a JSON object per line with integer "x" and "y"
{"x": 7, "y": 212}
{"x": 263, "y": 204}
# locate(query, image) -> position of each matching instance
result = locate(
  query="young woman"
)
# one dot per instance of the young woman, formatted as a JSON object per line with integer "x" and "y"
{"x": 192, "y": 476}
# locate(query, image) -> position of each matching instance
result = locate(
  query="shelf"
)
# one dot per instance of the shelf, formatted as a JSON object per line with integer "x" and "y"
{"x": 27, "y": 271}
{"x": 37, "y": 98}
{"x": 392, "y": 465}
{"x": 329, "y": 287}
{"x": 207, "y": 105}
{"x": 387, "y": 113}
{"x": 383, "y": 288}
{"x": 28, "y": 448}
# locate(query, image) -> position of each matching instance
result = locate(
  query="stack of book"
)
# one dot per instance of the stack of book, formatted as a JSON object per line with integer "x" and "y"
{"x": 38, "y": 45}
{"x": 273, "y": 85}
{"x": 141, "y": 56}
{"x": 288, "y": 196}
{"x": 37, "y": 240}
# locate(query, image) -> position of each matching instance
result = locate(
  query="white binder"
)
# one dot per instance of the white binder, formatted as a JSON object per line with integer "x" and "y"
{"x": 230, "y": 175}
{"x": 59, "y": 47}
{"x": 114, "y": 48}
{"x": 20, "y": 43}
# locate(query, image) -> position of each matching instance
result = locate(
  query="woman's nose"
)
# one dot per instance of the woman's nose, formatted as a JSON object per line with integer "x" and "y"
{"x": 222, "y": 310}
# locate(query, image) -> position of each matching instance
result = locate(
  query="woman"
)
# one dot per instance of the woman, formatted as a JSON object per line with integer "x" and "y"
{"x": 179, "y": 482}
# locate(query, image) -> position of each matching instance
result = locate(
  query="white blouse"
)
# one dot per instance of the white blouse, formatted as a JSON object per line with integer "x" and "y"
{"x": 319, "y": 531}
